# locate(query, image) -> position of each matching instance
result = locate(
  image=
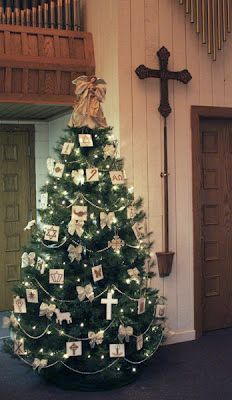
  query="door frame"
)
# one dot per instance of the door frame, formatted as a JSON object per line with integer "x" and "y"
{"x": 197, "y": 112}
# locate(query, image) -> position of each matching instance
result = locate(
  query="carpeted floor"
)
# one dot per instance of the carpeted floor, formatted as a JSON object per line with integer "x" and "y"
{"x": 198, "y": 370}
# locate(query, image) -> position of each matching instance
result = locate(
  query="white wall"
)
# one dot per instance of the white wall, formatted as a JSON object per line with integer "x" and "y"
{"x": 56, "y": 129}
{"x": 139, "y": 29}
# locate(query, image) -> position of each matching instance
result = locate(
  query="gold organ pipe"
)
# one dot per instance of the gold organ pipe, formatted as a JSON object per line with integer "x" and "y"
{"x": 191, "y": 11}
{"x": 203, "y": 21}
{"x": 187, "y": 6}
{"x": 209, "y": 27}
{"x": 45, "y": 15}
{"x": 40, "y": 16}
{"x": 213, "y": 30}
{"x": 224, "y": 20}
{"x": 59, "y": 13}
{"x": 219, "y": 34}
{"x": 228, "y": 17}
{"x": 52, "y": 13}
{"x": 197, "y": 17}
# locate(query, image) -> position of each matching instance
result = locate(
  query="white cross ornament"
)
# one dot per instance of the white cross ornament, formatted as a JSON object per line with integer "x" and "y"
{"x": 109, "y": 301}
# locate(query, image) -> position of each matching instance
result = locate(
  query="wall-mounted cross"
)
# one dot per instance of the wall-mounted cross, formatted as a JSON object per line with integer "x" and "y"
{"x": 165, "y": 257}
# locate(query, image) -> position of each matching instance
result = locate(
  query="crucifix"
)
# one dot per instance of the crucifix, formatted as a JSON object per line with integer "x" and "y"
{"x": 109, "y": 301}
{"x": 165, "y": 257}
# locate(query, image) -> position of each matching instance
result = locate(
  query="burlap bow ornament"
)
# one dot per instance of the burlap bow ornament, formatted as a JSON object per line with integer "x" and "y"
{"x": 95, "y": 338}
{"x": 76, "y": 227}
{"x": 74, "y": 252}
{"x": 50, "y": 165}
{"x": 7, "y": 322}
{"x": 29, "y": 225}
{"x": 134, "y": 274}
{"x": 28, "y": 259}
{"x": 124, "y": 332}
{"x": 109, "y": 151}
{"x": 85, "y": 292}
{"x": 37, "y": 363}
{"x": 47, "y": 310}
{"x": 78, "y": 176}
{"x": 106, "y": 219}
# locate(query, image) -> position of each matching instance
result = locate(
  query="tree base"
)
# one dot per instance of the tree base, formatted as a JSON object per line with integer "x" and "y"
{"x": 68, "y": 380}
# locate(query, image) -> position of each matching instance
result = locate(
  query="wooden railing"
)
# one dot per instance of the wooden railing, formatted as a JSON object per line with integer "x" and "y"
{"x": 55, "y": 14}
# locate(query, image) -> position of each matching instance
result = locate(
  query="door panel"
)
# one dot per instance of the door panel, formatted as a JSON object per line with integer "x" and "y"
{"x": 216, "y": 222}
{"x": 15, "y": 204}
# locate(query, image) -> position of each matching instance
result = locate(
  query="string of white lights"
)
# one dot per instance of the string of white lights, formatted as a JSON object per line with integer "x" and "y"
{"x": 34, "y": 337}
{"x": 95, "y": 205}
{"x": 146, "y": 358}
{"x": 90, "y": 372}
{"x": 55, "y": 246}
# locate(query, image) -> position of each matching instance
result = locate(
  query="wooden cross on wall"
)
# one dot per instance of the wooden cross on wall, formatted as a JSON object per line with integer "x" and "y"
{"x": 165, "y": 257}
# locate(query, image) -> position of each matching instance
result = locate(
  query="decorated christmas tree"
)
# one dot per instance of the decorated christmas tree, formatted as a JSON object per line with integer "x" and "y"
{"x": 84, "y": 314}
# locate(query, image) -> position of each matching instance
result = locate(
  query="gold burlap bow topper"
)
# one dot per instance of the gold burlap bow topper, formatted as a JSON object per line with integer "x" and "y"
{"x": 124, "y": 332}
{"x": 7, "y": 322}
{"x": 29, "y": 225}
{"x": 95, "y": 338}
{"x": 28, "y": 259}
{"x": 107, "y": 219}
{"x": 134, "y": 274}
{"x": 76, "y": 227}
{"x": 74, "y": 252}
{"x": 37, "y": 363}
{"x": 85, "y": 292}
{"x": 78, "y": 176}
{"x": 109, "y": 150}
{"x": 47, "y": 310}
{"x": 87, "y": 111}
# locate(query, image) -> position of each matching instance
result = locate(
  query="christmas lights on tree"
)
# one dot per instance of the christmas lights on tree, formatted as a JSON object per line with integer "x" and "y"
{"x": 84, "y": 314}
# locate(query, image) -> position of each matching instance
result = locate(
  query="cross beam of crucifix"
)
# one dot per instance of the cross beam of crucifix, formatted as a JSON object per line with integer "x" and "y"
{"x": 164, "y": 75}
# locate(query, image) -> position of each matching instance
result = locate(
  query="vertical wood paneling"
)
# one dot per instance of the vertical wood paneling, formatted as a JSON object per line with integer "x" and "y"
{"x": 227, "y": 73}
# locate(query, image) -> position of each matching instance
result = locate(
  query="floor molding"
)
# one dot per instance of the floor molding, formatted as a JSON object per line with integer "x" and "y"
{"x": 181, "y": 336}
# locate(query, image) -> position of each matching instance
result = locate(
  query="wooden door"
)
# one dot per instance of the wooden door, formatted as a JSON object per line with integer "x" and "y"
{"x": 17, "y": 199}
{"x": 216, "y": 222}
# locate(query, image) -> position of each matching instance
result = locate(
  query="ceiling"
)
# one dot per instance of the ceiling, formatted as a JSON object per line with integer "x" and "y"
{"x": 36, "y": 112}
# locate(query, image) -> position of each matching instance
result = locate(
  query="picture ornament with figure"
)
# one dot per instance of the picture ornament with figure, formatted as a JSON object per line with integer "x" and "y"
{"x": 84, "y": 315}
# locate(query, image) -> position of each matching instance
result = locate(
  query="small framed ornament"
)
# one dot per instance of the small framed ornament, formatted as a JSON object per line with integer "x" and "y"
{"x": 58, "y": 170}
{"x": 160, "y": 311}
{"x": 20, "y": 305}
{"x": 79, "y": 213}
{"x": 92, "y": 175}
{"x": 51, "y": 233}
{"x": 74, "y": 349}
{"x": 141, "y": 305}
{"x": 131, "y": 212}
{"x": 117, "y": 177}
{"x": 117, "y": 350}
{"x": 19, "y": 347}
{"x": 44, "y": 201}
{"x": 139, "y": 342}
{"x": 85, "y": 140}
{"x": 32, "y": 295}
{"x": 139, "y": 229}
{"x": 41, "y": 265}
{"x": 97, "y": 273}
{"x": 67, "y": 148}
{"x": 56, "y": 276}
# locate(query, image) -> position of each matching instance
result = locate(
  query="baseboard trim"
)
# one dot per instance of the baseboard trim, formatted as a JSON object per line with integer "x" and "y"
{"x": 180, "y": 336}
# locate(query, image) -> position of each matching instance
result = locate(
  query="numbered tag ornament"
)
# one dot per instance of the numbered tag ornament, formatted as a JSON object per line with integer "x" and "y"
{"x": 139, "y": 229}
{"x": 56, "y": 276}
{"x": 117, "y": 177}
{"x": 44, "y": 201}
{"x": 58, "y": 170}
{"x": 141, "y": 305}
{"x": 67, "y": 148}
{"x": 32, "y": 295}
{"x": 97, "y": 273}
{"x": 85, "y": 140}
{"x": 117, "y": 350}
{"x": 74, "y": 349}
{"x": 19, "y": 347}
{"x": 92, "y": 175}
{"x": 160, "y": 311}
{"x": 79, "y": 213}
{"x": 116, "y": 243}
{"x": 51, "y": 233}
{"x": 139, "y": 342}
{"x": 20, "y": 305}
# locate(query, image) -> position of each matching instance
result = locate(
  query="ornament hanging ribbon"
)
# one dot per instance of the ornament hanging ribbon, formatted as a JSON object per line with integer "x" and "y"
{"x": 95, "y": 338}
{"x": 37, "y": 363}
{"x": 106, "y": 219}
{"x": 85, "y": 292}
{"x": 78, "y": 176}
{"x": 10, "y": 321}
{"x": 76, "y": 226}
{"x": 134, "y": 274}
{"x": 74, "y": 252}
{"x": 28, "y": 259}
{"x": 47, "y": 310}
{"x": 124, "y": 332}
